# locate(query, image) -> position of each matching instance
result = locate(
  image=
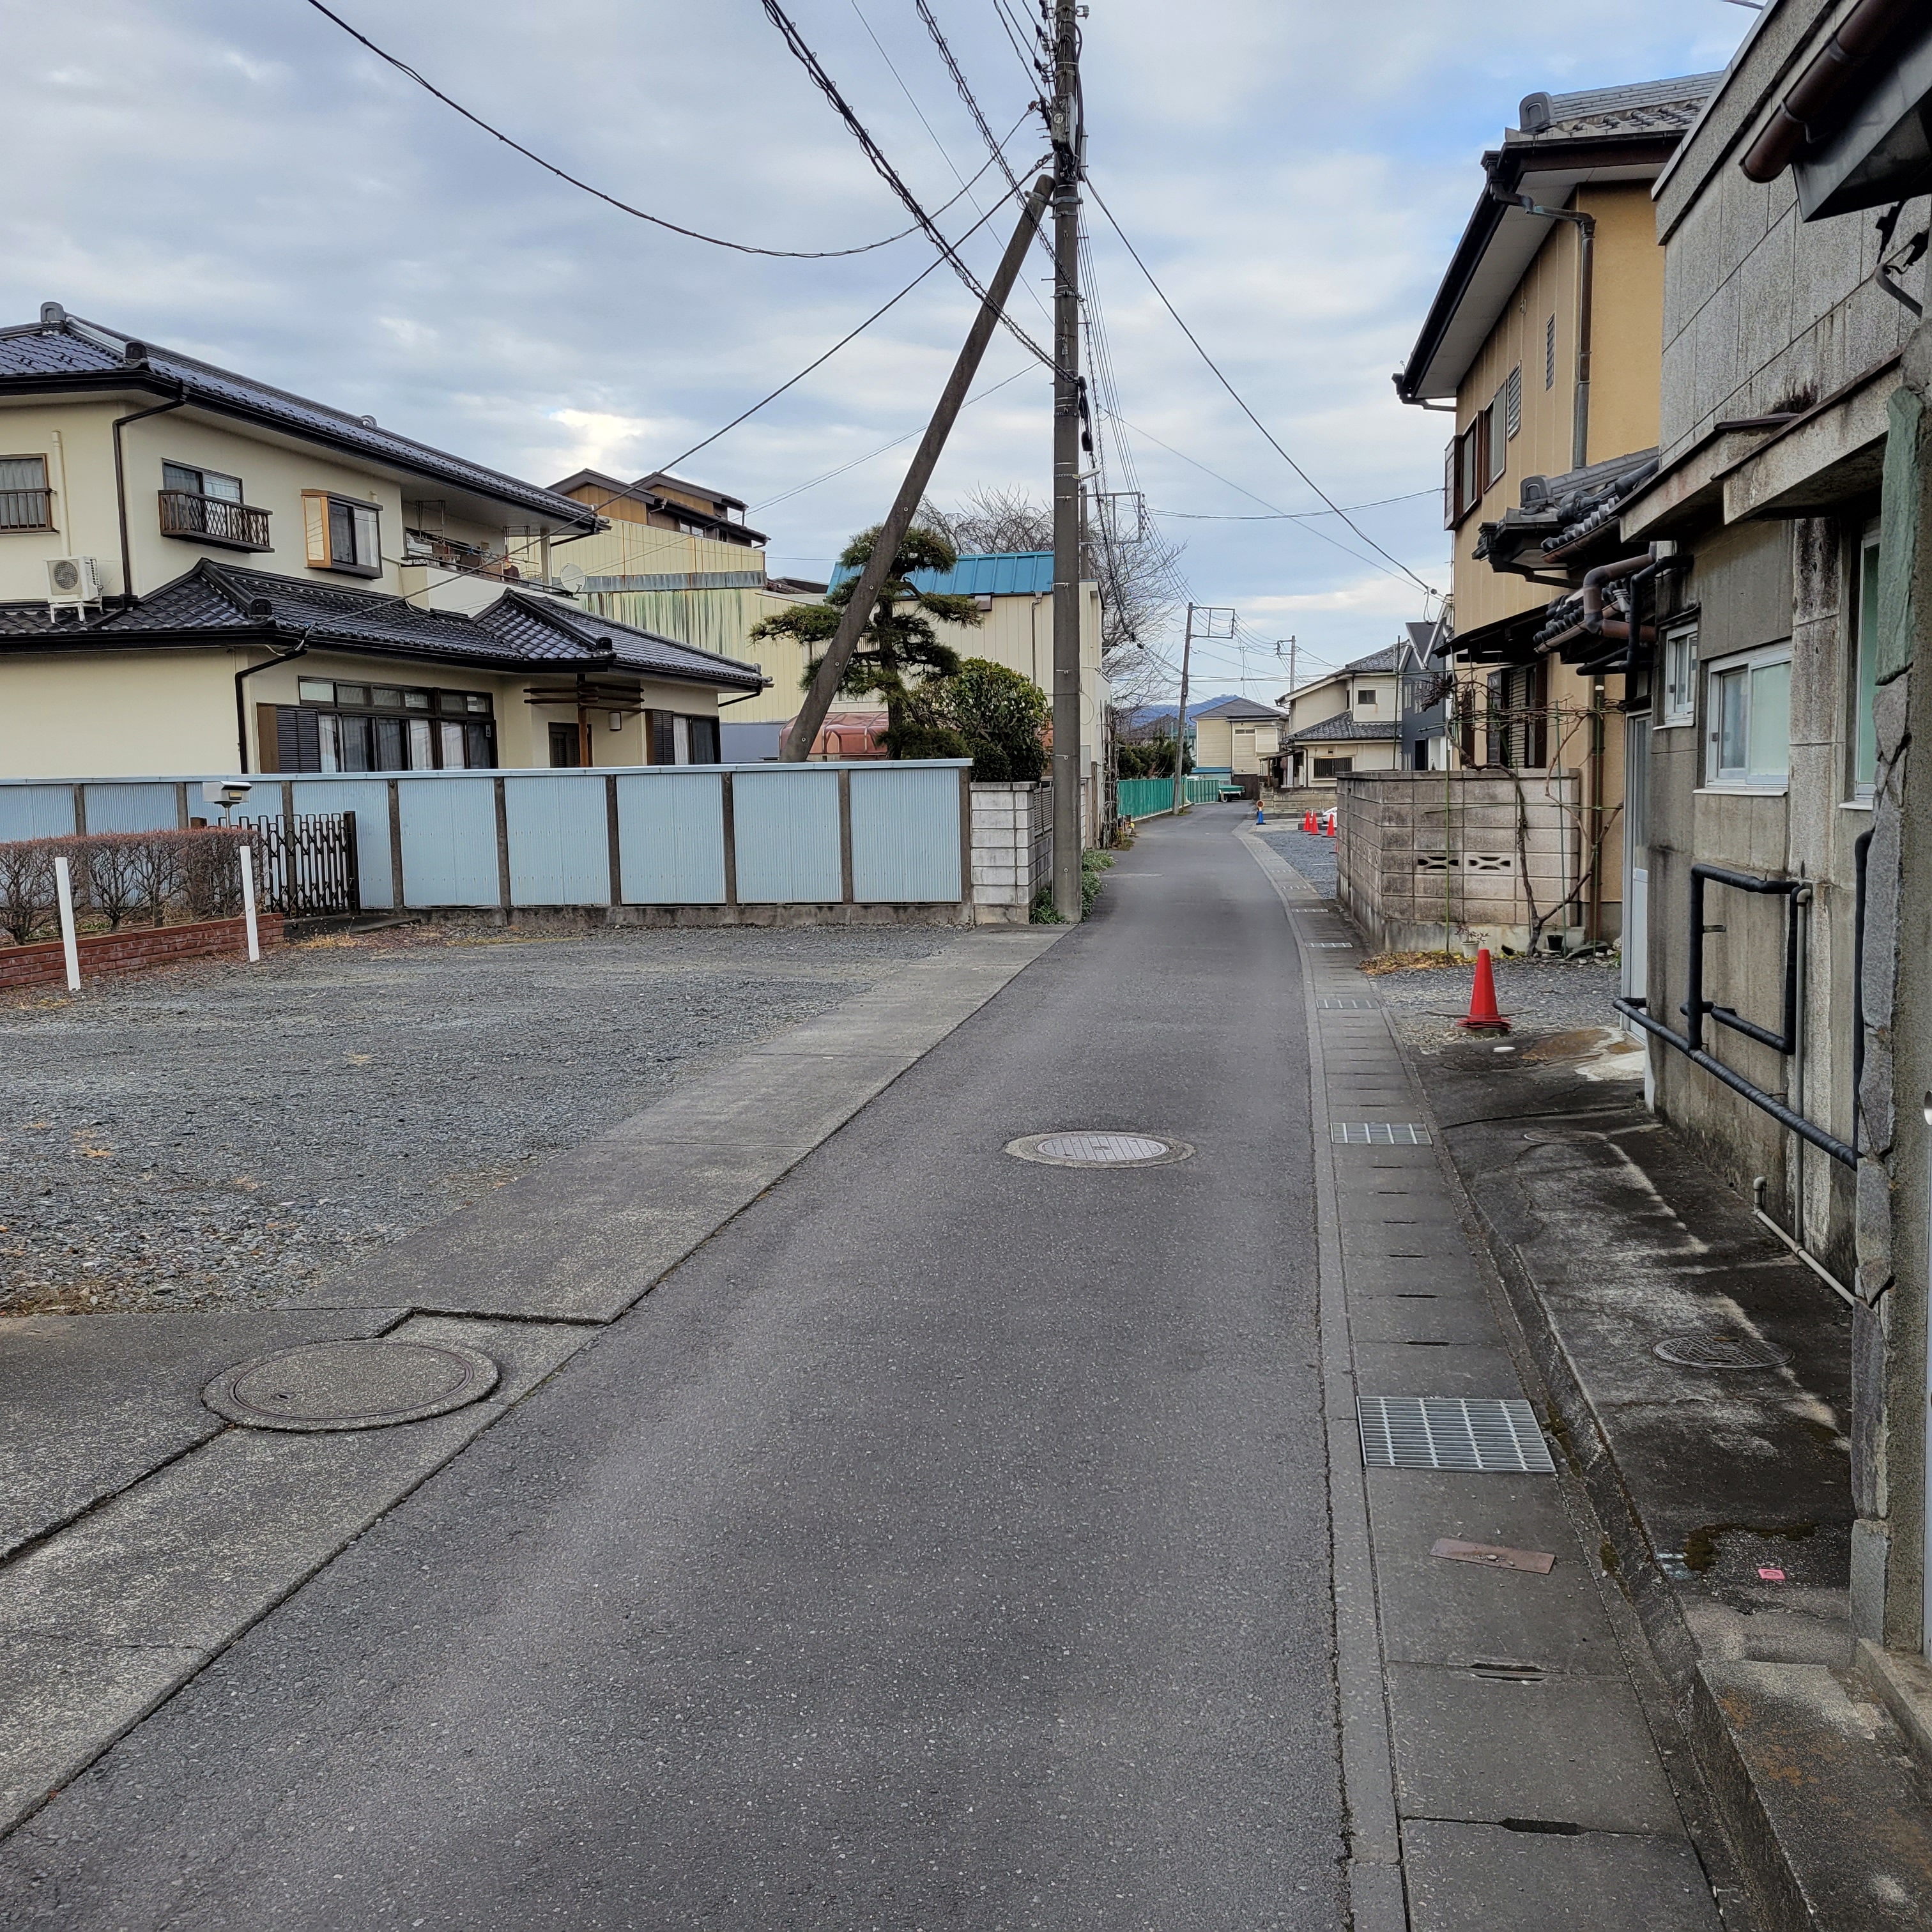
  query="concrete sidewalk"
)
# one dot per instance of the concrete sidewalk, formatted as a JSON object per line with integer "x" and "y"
{"x": 140, "y": 1534}
{"x": 1725, "y": 1492}
{"x": 1510, "y": 1761}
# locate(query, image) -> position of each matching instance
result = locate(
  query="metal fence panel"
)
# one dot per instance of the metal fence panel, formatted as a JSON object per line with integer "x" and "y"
{"x": 787, "y": 836}
{"x": 449, "y": 841}
{"x": 559, "y": 831}
{"x": 36, "y": 811}
{"x": 905, "y": 836}
{"x": 141, "y": 807}
{"x": 369, "y": 799}
{"x": 670, "y": 838}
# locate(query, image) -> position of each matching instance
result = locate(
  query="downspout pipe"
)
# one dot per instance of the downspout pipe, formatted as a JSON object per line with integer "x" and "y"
{"x": 247, "y": 671}
{"x": 1586, "y": 277}
{"x": 1640, "y": 566}
{"x": 1859, "y": 35}
{"x": 121, "y": 490}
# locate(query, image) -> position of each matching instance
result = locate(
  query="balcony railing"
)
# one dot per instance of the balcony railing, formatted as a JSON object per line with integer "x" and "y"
{"x": 26, "y": 509}
{"x": 213, "y": 520}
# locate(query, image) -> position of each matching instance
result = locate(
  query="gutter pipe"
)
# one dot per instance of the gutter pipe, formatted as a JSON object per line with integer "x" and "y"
{"x": 121, "y": 492}
{"x": 1586, "y": 277}
{"x": 1790, "y": 128}
{"x": 247, "y": 671}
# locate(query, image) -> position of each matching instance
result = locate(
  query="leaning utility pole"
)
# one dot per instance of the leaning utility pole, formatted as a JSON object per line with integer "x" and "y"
{"x": 1181, "y": 718}
{"x": 858, "y": 614}
{"x": 1064, "y": 121}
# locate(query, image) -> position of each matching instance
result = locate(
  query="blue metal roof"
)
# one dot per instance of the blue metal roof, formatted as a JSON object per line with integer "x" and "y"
{"x": 1025, "y": 573}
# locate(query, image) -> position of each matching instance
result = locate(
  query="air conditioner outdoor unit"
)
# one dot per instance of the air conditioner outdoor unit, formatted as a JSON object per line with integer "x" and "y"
{"x": 72, "y": 581}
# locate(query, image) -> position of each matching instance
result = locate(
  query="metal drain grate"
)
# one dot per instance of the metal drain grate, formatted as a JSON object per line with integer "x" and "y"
{"x": 1719, "y": 1352}
{"x": 1343, "y": 1004}
{"x": 1487, "y": 1434}
{"x": 1378, "y": 1133}
{"x": 1329, "y": 945}
{"x": 1100, "y": 1149}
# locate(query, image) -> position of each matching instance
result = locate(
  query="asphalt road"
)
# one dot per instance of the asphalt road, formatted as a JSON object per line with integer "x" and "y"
{"x": 944, "y": 1545}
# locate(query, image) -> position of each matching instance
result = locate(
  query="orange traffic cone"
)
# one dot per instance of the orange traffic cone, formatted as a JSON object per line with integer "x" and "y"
{"x": 1483, "y": 1017}
{"x": 1308, "y": 821}
{"x": 1331, "y": 824}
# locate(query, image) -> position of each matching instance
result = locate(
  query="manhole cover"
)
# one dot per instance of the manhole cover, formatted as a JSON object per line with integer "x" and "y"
{"x": 1100, "y": 1149}
{"x": 351, "y": 1384}
{"x": 1720, "y": 1351}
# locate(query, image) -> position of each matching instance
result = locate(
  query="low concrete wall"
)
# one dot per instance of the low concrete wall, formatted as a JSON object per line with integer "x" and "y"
{"x": 44, "y": 963}
{"x": 1478, "y": 855}
{"x": 1013, "y": 850}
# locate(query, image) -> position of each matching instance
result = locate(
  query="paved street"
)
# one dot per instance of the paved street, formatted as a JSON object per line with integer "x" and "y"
{"x": 945, "y": 1543}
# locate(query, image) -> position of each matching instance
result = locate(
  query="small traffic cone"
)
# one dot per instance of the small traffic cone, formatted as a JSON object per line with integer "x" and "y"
{"x": 1331, "y": 824}
{"x": 1483, "y": 1017}
{"x": 1308, "y": 821}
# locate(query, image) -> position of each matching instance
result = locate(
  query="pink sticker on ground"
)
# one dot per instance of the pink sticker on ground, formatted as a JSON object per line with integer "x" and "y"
{"x": 1771, "y": 1575}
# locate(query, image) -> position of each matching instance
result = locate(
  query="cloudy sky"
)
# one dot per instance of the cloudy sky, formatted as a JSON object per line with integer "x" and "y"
{"x": 239, "y": 179}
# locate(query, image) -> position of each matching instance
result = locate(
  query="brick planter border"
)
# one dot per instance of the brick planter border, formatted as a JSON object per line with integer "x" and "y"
{"x": 42, "y": 964}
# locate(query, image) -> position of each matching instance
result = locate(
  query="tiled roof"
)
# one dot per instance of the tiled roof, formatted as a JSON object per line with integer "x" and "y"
{"x": 1376, "y": 661}
{"x": 518, "y": 630}
{"x": 1244, "y": 708}
{"x": 1345, "y": 724}
{"x": 39, "y": 354}
{"x": 1641, "y": 107}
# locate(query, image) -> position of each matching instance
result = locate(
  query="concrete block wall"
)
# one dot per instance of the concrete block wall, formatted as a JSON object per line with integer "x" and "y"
{"x": 1493, "y": 851}
{"x": 1013, "y": 850}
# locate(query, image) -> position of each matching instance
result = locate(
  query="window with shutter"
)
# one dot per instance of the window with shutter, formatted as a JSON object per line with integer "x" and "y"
{"x": 1550, "y": 353}
{"x": 315, "y": 527}
{"x": 1449, "y": 505}
{"x": 1513, "y": 401}
{"x": 1495, "y": 442}
{"x": 342, "y": 534}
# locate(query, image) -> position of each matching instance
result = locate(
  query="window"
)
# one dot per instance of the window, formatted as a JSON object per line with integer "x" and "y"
{"x": 1550, "y": 353}
{"x": 26, "y": 502}
{"x": 1513, "y": 401}
{"x": 1747, "y": 720}
{"x": 1864, "y": 678}
{"x": 336, "y": 727}
{"x": 1334, "y": 768}
{"x": 1365, "y": 700}
{"x": 566, "y": 747}
{"x": 1680, "y": 675}
{"x": 1465, "y": 469}
{"x": 342, "y": 534}
{"x": 1495, "y": 444}
{"x": 201, "y": 482}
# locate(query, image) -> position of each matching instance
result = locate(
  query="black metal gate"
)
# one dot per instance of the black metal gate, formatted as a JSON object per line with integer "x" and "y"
{"x": 305, "y": 867}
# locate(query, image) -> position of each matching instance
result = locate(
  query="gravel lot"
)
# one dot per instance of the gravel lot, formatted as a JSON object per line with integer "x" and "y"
{"x": 203, "y": 1136}
{"x": 1542, "y": 996}
{"x": 1314, "y": 858}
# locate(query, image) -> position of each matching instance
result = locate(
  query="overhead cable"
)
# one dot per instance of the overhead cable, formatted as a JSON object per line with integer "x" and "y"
{"x": 1287, "y": 516}
{"x": 886, "y": 171}
{"x": 402, "y": 67}
{"x": 965, "y": 92}
{"x": 1240, "y": 403}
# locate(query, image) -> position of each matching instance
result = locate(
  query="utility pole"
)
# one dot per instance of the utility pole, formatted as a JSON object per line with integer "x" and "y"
{"x": 858, "y": 612}
{"x": 1068, "y": 142}
{"x": 1181, "y": 718}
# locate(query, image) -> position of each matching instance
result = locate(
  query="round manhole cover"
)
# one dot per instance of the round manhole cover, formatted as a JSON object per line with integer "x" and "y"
{"x": 1100, "y": 1149}
{"x": 1720, "y": 1351}
{"x": 351, "y": 1384}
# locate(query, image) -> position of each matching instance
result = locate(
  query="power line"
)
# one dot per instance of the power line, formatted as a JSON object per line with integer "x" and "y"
{"x": 1016, "y": 36}
{"x": 793, "y": 382}
{"x": 965, "y": 92}
{"x": 1286, "y": 516}
{"x": 403, "y": 67}
{"x": 1241, "y": 404}
{"x": 886, "y": 171}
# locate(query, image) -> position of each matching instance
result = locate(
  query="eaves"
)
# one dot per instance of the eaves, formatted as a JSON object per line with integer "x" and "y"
{"x": 144, "y": 382}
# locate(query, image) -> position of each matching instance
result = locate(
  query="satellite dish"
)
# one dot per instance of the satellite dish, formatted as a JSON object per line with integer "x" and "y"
{"x": 570, "y": 576}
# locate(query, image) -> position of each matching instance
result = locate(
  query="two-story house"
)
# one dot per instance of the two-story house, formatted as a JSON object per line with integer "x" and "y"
{"x": 1545, "y": 339}
{"x": 200, "y": 572}
{"x": 1239, "y": 739}
{"x": 1348, "y": 721}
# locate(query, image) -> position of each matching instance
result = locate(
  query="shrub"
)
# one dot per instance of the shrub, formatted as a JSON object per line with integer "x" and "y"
{"x": 194, "y": 875}
{"x": 27, "y": 897}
